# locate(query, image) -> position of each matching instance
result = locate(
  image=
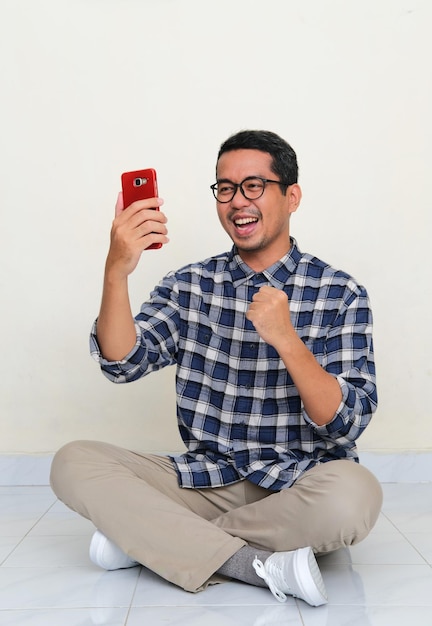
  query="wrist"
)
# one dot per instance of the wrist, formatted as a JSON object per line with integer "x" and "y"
{"x": 114, "y": 275}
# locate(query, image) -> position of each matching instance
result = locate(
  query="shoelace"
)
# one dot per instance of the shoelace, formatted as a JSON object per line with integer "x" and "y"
{"x": 261, "y": 572}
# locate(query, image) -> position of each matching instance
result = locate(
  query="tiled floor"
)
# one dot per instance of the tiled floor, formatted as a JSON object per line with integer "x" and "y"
{"x": 46, "y": 578}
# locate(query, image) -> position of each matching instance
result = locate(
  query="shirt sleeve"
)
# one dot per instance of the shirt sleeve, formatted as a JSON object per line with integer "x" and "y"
{"x": 157, "y": 334}
{"x": 349, "y": 356}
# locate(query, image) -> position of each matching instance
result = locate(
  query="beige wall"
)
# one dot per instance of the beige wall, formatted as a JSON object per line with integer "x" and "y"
{"x": 91, "y": 88}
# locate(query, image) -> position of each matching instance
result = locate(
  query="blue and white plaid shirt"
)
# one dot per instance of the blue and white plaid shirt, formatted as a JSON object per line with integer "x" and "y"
{"x": 239, "y": 413}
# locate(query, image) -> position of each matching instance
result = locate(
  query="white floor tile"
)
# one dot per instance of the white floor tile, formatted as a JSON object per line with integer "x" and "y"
{"x": 379, "y": 548}
{"x": 7, "y": 545}
{"x": 280, "y": 615}
{"x": 21, "y": 510}
{"x": 366, "y": 616}
{"x": 25, "y": 502}
{"x": 383, "y": 525}
{"x": 409, "y": 506}
{"x": 64, "y": 617}
{"x": 17, "y": 524}
{"x": 65, "y": 587}
{"x": 40, "y": 490}
{"x": 60, "y": 520}
{"x": 46, "y": 577}
{"x": 423, "y": 543}
{"x": 54, "y": 551}
{"x": 382, "y": 585}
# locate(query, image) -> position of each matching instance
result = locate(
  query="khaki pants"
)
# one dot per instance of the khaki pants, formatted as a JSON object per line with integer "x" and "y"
{"x": 185, "y": 535}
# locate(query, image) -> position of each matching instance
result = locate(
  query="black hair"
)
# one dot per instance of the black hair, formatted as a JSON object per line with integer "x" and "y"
{"x": 284, "y": 159}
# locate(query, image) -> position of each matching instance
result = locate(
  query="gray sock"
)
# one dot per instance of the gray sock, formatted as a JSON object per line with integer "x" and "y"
{"x": 239, "y": 566}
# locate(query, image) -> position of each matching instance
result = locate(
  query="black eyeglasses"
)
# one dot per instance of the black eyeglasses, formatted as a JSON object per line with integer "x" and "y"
{"x": 251, "y": 187}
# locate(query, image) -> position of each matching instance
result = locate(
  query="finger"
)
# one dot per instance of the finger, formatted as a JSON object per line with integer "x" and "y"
{"x": 259, "y": 296}
{"x": 153, "y": 238}
{"x": 151, "y": 227}
{"x": 119, "y": 204}
{"x": 146, "y": 218}
{"x": 146, "y": 204}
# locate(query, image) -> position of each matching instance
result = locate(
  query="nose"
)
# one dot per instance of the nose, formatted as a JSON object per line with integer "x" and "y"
{"x": 239, "y": 200}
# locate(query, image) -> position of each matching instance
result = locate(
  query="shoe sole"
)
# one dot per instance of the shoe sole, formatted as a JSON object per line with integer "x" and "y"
{"x": 312, "y": 587}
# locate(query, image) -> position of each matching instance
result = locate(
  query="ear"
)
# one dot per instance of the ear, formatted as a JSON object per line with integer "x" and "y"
{"x": 294, "y": 195}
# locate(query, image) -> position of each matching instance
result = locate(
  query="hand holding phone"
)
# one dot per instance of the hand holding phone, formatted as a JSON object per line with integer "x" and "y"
{"x": 140, "y": 185}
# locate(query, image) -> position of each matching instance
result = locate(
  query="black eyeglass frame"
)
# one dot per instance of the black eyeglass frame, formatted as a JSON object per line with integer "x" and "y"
{"x": 240, "y": 186}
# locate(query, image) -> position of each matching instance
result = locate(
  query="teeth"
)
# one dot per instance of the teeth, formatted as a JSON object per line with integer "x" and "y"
{"x": 245, "y": 220}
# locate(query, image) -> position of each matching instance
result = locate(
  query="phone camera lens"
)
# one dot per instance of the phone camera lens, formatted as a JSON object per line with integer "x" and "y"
{"x": 138, "y": 182}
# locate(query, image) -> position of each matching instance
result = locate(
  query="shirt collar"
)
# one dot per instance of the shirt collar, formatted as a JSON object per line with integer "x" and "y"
{"x": 277, "y": 274}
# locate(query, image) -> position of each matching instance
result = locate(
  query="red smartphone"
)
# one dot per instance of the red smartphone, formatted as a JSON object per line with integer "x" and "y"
{"x": 140, "y": 185}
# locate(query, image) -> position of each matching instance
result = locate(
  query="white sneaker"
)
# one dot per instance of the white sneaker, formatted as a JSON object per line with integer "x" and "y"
{"x": 294, "y": 573}
{"x": 105, "y": 553}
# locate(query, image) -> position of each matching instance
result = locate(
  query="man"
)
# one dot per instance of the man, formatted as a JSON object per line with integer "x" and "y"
{"x": 275, "y": 381}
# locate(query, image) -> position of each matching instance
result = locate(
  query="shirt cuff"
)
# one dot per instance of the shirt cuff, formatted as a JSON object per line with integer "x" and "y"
{"x": 124, "y": 364}
{"x": 339, "y": 424}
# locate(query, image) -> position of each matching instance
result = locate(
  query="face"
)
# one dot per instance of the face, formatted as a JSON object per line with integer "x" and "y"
{"x": 259, "y": 228}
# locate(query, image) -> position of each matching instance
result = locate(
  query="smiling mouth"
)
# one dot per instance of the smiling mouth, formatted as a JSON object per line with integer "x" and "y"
{"x": 245, "y": 220}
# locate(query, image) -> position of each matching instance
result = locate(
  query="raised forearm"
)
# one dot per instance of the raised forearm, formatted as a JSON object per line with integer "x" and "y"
{"x": 319, "y": 391}
{"x": 115, "y": 325}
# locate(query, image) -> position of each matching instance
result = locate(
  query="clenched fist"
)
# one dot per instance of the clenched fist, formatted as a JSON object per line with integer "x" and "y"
{"x": 269, "y": 313}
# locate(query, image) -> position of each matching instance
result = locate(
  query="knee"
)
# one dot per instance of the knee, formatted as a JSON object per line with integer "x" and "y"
{"x": 356, "y": 502}
{"x": 368, "y": 497}
{"x": 343, "y": 500}
{"x": 64, "y": 465}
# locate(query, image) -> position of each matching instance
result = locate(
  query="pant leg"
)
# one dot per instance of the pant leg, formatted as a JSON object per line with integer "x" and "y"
{"x": 136, "y": 501}
{"x": 334, "y": 505}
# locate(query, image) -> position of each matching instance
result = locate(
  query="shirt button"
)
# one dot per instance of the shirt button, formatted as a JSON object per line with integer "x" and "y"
{"x": 259, "y": 280}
